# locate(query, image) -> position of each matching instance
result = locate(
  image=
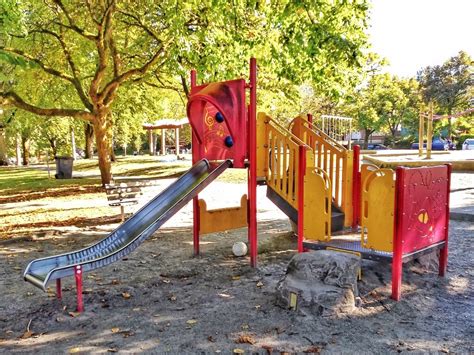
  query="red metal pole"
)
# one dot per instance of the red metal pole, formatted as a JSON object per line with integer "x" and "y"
{"x": 397, "y": 261}
{"x": 443, "y": 255}
{"x": 59, "y": 293}
{"x": 356, "y": 187}
{"x": 193, "y": 79}
{"x": 301, "y": 174}
{"x": 78, "y": 277}
{"x": 196, "y": 157}
{"x": 252, "y": 173}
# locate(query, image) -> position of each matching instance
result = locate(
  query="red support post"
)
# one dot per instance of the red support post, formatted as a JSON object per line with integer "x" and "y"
{"x": 252, "y": 173}
{"x": 397, "y": 260}
{"x": 443, "y": 254}
{"x": 301, "y": 174}
{"x": 78, "y": 277}
{"x": 356, "y": 188}
{"x": 59, "y": 293}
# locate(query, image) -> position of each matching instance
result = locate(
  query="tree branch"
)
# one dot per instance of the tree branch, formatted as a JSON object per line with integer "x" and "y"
{"x": 72, "y": 25}
{"x": 12, "y": 99}
{"x": 43, "y": 66}
{"x": 113, "y": 84}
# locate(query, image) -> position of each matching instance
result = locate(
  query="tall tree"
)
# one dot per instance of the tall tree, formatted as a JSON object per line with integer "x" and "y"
{"x": 449, "y": 85}
{"x": 96, "y": 47}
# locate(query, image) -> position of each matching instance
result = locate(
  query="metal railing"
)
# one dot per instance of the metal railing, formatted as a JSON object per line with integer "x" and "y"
{"x": 333, "y": 158}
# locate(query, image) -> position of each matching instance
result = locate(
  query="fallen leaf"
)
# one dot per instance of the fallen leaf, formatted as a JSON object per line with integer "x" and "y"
{"x": 136, "y": 309}
{"x": 115, "y": 330}
{"x": 166, "y": 281}
{"x": 126, "y": 295}
{"x": 27, "y": 334}
{"x": 172, "y": 298}
{"x": 312, "y": 350}
{"x": 127, "y": 333}
{"x": 211, "y": 339}
{"x": 112, "y": 350}
{"x": 258, "y": 306}
{"x": 74, "y": 314}
{"x": 245, "y": 327}
{"x": 236, "y": 277}
{"x": 16, "y": 268}
{"x": 238, "y": 351}
{"x": 191, "y": 321}
{"x": 74, "y": 350}
{"x": 245, "y": 339}
{"x": 29, "y": 293}
{"x": 115, "y": 282}
{"x": 259, "y": 284}
{"x": 224, "y": 295}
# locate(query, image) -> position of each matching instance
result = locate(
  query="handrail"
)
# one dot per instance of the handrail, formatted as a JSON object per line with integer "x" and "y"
{"x": 310, "y": 126}
{"x": 282, "y": 161}
{"x": 334, "y": 159}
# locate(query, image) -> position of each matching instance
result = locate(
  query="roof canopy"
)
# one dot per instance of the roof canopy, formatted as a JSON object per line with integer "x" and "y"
{"x": 166, "y": 123}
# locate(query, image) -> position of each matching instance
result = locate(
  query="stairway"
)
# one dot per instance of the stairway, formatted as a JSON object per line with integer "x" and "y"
{"x": 337, "y": 216}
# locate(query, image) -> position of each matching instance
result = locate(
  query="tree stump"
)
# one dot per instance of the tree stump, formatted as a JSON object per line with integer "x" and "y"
{"x": 321, "y": 282}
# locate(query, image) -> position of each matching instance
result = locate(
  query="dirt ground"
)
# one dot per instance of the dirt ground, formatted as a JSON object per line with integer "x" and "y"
{"x": 161, "y": 299}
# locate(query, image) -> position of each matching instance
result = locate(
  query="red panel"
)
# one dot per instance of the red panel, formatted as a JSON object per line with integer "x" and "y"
{"x": 205, "y": 102}
{"x": 423, "y": 212}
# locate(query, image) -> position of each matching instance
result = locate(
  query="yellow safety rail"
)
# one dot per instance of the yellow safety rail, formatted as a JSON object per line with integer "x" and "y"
{"x": 317, "y": 205}
{"x": 278, "y": 158}
{"x": 378, "y": 208}
{"x": 331, "y": 157}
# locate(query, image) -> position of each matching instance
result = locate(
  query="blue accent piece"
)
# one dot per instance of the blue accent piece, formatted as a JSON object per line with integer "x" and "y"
{"x": 228, "y": 141}
{"x": 219, "y": 117}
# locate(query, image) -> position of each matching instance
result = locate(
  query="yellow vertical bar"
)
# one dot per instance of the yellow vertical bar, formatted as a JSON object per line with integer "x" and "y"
{"x": 421, "y": 128}
{"x": 331, "y": 169}
{"x": 279, "y": 167}
{"x": 347, "y": 188}
{"x": 336, "y": 181}
{"x": 291, "y": 174}
{"x": 285, "y": 169}
{"x": 429, "y": 133}
{"x": 262, "y": 141}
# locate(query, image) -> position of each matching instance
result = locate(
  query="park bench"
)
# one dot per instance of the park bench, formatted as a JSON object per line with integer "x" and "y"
{"x": 122, "y": 195}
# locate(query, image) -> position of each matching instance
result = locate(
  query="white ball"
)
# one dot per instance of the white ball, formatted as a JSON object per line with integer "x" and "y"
{"x": 239, "y": 249}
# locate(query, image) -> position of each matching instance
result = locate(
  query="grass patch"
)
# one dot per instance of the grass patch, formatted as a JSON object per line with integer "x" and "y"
{"x": 21, "y": 181}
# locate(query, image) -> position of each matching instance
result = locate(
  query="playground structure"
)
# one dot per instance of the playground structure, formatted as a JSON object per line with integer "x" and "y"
{"x": 312, "y": 178}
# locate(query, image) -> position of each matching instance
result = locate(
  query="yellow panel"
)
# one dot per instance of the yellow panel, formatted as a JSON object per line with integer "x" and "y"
{"x": 317, "y": 205}
{"x": 347, "y": 183}
{"x": 262, "y": 148}
{"x": 378, "y": 207}
{"x": 222, "y": 219}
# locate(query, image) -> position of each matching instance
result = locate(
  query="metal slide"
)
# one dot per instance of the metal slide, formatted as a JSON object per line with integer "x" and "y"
{"x": 132, "y": 232}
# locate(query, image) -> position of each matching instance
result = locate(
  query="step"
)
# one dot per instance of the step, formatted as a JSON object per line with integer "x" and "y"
{"x": 337, "y": 216}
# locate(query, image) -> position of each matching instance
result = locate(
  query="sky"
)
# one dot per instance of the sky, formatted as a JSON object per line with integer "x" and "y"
{"x": 413, "y": 34}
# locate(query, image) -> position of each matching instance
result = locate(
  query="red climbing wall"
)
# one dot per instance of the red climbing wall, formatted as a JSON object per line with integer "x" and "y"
{"x": 423, "y": 199}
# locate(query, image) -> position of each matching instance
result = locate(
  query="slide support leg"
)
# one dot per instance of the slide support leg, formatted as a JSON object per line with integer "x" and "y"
{"x": 78, "y": 277}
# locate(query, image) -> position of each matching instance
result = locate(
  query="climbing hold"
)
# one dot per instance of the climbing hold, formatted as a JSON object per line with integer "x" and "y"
{"x": 228, "y": 141}
{"x": 219, "y": 117}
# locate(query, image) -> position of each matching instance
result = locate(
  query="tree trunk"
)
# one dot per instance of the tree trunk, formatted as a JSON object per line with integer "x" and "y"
{"x": 52, "y": 144}
{"x": 89, "y": 135}
{"x": 102, "y": 130}
{"x": 3, "y": 147}
{"x": 18, "y": 149}
{"x": 25, "y": 146}
{"x": 367, "y": 134}
{"x": 450, "y": 112}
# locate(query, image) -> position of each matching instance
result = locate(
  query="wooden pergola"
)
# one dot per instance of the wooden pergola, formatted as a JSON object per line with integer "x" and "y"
{"x": 163, "y": 125}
